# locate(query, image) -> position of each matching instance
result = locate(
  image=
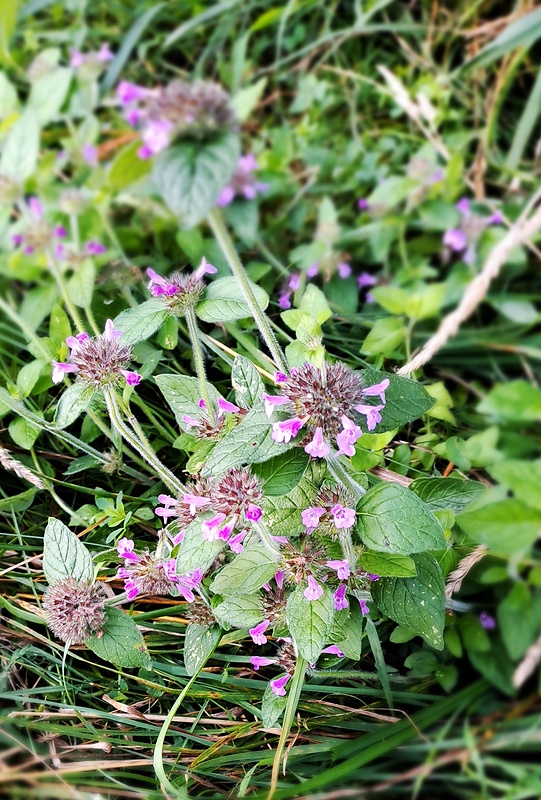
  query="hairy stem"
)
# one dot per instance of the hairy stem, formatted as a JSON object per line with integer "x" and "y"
{"x": 63, "y": 288}
{"x": 289, "y": 713}
{"x": 224, "y": 240}
{"x": 340, "y": 473}
{"x": 199, "y": 364}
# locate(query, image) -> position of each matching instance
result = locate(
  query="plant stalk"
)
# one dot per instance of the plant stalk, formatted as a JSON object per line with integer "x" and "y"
{"x": 198, "y": 361}
{"x": 289, "y": 713}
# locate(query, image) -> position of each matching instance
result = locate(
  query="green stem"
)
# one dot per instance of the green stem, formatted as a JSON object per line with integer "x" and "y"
{"x": 224, "y": 240}
{"x": 198, "y": 361}
{"x": 340, "y": 473}
{"x": 347, "y": 548}
{"x": 93, "y": 324}
{"x": 62, "y": 286}
{"x": 25, "y": 328}
{"x": 266, "y": 538}
{"x": 150, "y": 457}
{"x": 289, "y": 713}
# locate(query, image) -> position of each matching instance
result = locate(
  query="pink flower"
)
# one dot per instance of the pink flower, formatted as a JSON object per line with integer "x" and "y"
{"x": 378, "y": 389}
{"x": 178, "y": 537}
{"x": 253, "y": 512}
{"x": 226, "y": 196}
{"x": 278, "y": 684}
{"x": 211, "y": 528}
{"x": 333, "y": 650}
{"x": 125, "y": 549}
{"x": 75, "y": 342}
{"x": 455, "y": 239}
{"x": 158, "y": 285}
{"x": 131, "y": 588}
{"x": 311, "y": 516}
{"x": 195, "y": 501}
{"x": 201, "y": 403}
{"x": 342, "y": 569}
{"x": 347, "y": 437}
{"x": 317, "y": 447}
{"x": 132, "y": 378}
{"x": 204, "y": 268}
{"x": 90, "y": 154}
{"x": 280, "y": 377}
{"x": 77, "y": 59}
{"x": 463, "y": 206}
{"x": 343, "y": 517}
{"x": 362, "y": 204}
{"x": 130, "y": 92}
{"x": 60, "y": 232}
{"x": 286, "y": 430}
{"x": 339, "y": 597}
{"x": 372, "y": 414}
{"x": 95, "y": 248}
{"x": 17, "y": 239}
{"x": 36, "y": 208}
{"x": 226, "y": 406}
{"x": 313, "y": 270}
{"x": 191, "y": 422}
{"x": 279, "y": 578}
{"x": 365, "y": 279}
{"x": 169, "y": 507}
{"x": 235, "y": 543}
{"x": 156, "y": 137}
{"x": 344, "y": 270}
{"x": 104, "y": 53}
{"x": 313, "y": 591}
{"x": 294, "y": 282}
{"x": 261, "y": 661}
{"x": 60, "y": 369}
{"x": 284, "y": 301}
{"x": 227, "y": 529}
{"x": 364, "y": 608}
{"x": 109, "y": 331}
{"x": 271, "y": 401}
{"x": 258, "y": 633}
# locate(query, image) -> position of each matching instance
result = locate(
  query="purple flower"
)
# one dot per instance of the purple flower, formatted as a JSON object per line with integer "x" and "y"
{"x": 60, "y": 232}
{"x": 495, "y": 219}
{"x": 60, "y": 370}
{"x": 365, "y": 279}
{"x": 75, "y": 342}
{"x": 258, "y": 633}
{"x": 342, "y": 569}
{"x": 17, "y": 239}
{"x": 226, "y": 406}
{"x": 372, "y": 576}
{"x": 132, "y": 378}
{"x": 126, "y": 550}
{"x": 168, "y": 509}
{"x": 253, "y": 512}
{"x": 131, "y": 588}
{"x": 294, "y": 282}
{"x": 279, "y": 578}
{"x": 378, "y": 389}
{"x": 339, "y": 597}
{"x": 372, "y": 414}
{"x": 36, "y": 208}
{"x": 364, "y": 608}
{"x": 347, "y": 437}
{"x": 333, "y": 650}
{"x": 243, "y": 182}
{"x": 313, "y": 270}
{"x": 211, "y": 528}
{"x": 487, "y": 621}
{"x": 194, "y": 501}
{"x": 286, "y": 430}
{"x": 284, "y": 301}
{"x": 463, "y": 206}
{"x": 311, "y": 516}
{"x": 77, "y": 59}
{"x": 280, "y": 377}
{"x": 272, "y": 400}
{"x": 455, "y": 239}
{"x": 313, "y": 591}
{"x": 104, "y": 53}
{"x": 344, "y": 270}
{"x": 95, "y": 248}
{"x": 191, "y": 422}
{"x": 278, "y": 684}
{"x": 109, "y": 331}
{"x": 235, "y": 543}
{"x": 203, "y": 269}
{"x": 226, "y": 530}
{"x": 362, "y": 204}
{"x": 343, "y": 517}
{"x": 90, "y": 154}
{"x": 130, "y": 92}
{"x": 158, "y": 285}
{"x": 261, "y": 661}
{"x": 317, "y": 447}
{"x": 156, "y": 137}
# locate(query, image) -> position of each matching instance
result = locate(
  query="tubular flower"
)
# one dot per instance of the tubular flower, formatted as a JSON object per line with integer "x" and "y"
{"x": 75, "y": 611}
{"x": 148, "y": 573}
{"x": 98, "y": 361}
{"x": 278, "y": 685}
{"x": 463, "y": 239}
{"x": 313, "y": 591}
{"x": 243, "y": 183}
{"x": 181, "y": 290}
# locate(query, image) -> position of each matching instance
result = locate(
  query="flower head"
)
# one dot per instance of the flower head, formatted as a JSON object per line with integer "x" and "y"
{"x": 75, "y": 611}
{"x": 181, "y": 290}
{"x": 145, "y": 572}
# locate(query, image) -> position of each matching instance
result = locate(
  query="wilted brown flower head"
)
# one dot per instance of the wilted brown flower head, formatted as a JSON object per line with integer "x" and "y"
{"x": 74, "y": 611}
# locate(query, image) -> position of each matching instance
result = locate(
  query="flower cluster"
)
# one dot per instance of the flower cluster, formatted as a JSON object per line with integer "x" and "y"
{"x": 243, "y": 183}
{"x": 464, "y": 238}
{"x": 94, "y": 60}
{"x": 232, "y": 500}
{"x": 74, "y": 611}
{"x": 166, "y": 113}
{"x": 180, "y": 290}
{"x": 325, "y": 404}
{"x": 149, "y": 573}
{"x": 97, "y": 361}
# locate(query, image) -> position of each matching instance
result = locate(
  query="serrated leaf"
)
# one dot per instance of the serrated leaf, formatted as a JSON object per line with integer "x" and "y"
{"x": 196, "y": 552}
{"x": 224, "y": 301}
{"x": 199, "y": 642}
{"x": 446, "y": 493}
{"x": 23, "y": 432}
{"x": 283, "y": 513}
{"x": 282, "y": 473}
{"x": 247, "y": 572}
{"x": 272, "y": 707}
{"x": 190, "y": 175}
{"x": 64, "y": 556}
{"x": 20, "y": 154}
{"x": 418, "y": 602}
{"x": 81, "y": 284}
{"x": 249, "y": 442}
{"x": 139, "y": 323}
{"x": 406, "y": 400}
{"x": 121, "y": 642}
{"x": 310, "y": 622}
{"x": 183, "y": 394}
{"x": 388, "y": 565}
{"x": 246, "y": 382}
{"x": 241, "y": 611}
{"x": 74, "y": 401}
{"x": 391, "y": 519}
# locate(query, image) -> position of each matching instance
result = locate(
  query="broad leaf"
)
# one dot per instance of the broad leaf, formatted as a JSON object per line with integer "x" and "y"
{"x": 224, "y": 301}
{"x": 350, "y": 632}
{"x": 48, "y": 94}
{"x": 246, "y": 382}
{"x": 522, "y": 477}
{"x": 241, "y": 611}
{"x": 406, "y": 400}
{"x": 81, "y": 284}
{"x": 23, "y": 432}
{"x": 199, "y": 642}
{"x": 282, "y": 473}
{"x": 64, "y": 556}
{"x": 417, "y": 603}
{"x": 247, "y": 572}
{"x": 121, "y": 642}
{"x": 283, "y": 513}
{"x": 196, "y": 552}
{"x": 446, "y": 493}
{"x": 139, "y": 323}
{"x": 183, "y": 394}
{"x": 190, "y": 175}
{"x": 20, "y": 154}
{"x": 388, "y": 565}
{"x": 391, "y": 519}
{"x": 272, "y": 707}
{"x": 310, "y": 622}
{"x": 73, "y": 402}
{"x": 507, "y": 527}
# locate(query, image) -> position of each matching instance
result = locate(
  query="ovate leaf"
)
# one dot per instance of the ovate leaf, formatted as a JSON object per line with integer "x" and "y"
{"x": 388, "y": 565}
{"x": 196, "y": 552}
{"x": 247, "y": 572}
{"x": 246, "y": 382}
{"x": 64, "y": 556}
{"x": 183, "y": 394}
{"x": 241, "y": 610}
{"x": 507, "y": 527}
{"x": 272, "y": 707}
{"x": 406, "y": 400}
{"x": 310, "y": 622}
{"x": 282, "y": 473}
{"x": 20, "y": 154}
{"x": 73, "y": 402}
{"x": 224, "y": 301}
{"x": 121, "y": 642}
{"x": 199, "y": 642}
{"x": 446, "y": 493}
{"x": 139, "y": 323}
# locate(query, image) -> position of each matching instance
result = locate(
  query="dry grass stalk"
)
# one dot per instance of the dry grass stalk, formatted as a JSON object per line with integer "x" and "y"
{"x": 528, "y": 664}
{"x": 454, "y": 581}
{"x": 11, "y": 464}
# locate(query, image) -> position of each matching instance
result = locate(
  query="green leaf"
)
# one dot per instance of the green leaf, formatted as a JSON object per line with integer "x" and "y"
{"x": 282, "y": 473}
{"x": 247, "y": 572}
{"x": 183, "y": 394}
{"x": 519, "y": 620}
{"x": 496, "y": 667}
{"x": 190, "y": 175}
{"x": 199, "y": 642}
{"x": 243, "y": 217}
{"x": 224, "y": 301}
{"x": 127, "y": 167}
{"x": 406, "y": 399}
{"x": 522, "y": 32}
{"x": 418, "y": 602}
{"x": 385, "y": 336}
{"x": 388, "y": 565}
{"x": 310, "y": 622}
{"x": 121, "y": 642}
{"x": 517, "y": 401}
{"x": 391, "y": 519}
{"x": 139, "y": 323}
{"x": 351, "y": 630}
{"x": 81, "y": 284}
{"x": 315, "y": 304}
{"x": 59, "y": 323}
{"x": 17, "y": 502}
{"x": 23, "y": 432}
{"x": 196, "y": 552}
{"x": 20, "y": 154}
{"x": 246, "y": 382}
{"x": 283, "y": 513}
{"x": 74, "y": 401}
{"x": 522, "y": 477}
{"x": 8, "y": 22}
{"x": 447, "y": 493}
{"x": 168, "y": 334}
{"x": 244, "y": 102}
{"x": 272, "y": 707}
{"x": 29, "y": 375}
{"x": 507, "y": 527}
{"x": 64, "y": 556}
{"x": 48, "y": 94}
{"x": 248, "y": 443}
{"x": 241, "y": 611}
